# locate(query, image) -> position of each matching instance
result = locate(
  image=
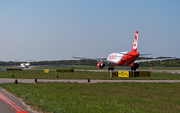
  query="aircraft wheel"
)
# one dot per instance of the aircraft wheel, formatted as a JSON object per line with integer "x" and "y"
{"x": 131, "y": 68}
{"x": 110, "y": 69}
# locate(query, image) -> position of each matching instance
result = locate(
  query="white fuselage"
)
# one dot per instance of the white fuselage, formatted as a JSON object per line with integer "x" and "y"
{"x": 115, "y": 57}
{"x": 25, "y": 65}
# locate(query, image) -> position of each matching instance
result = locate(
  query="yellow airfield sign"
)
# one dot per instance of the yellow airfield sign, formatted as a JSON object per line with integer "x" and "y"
{"x": 144, "y": 74}
{"x": 46, "y": 70}
{"x": 123, "y": 73}
{"x": 114, "y": 74}
{"x": 133, "y": 74}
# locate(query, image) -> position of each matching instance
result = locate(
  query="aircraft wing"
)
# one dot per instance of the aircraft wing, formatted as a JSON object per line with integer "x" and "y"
{"x": 149, "y": 60}
{"x": 96, "y": 59}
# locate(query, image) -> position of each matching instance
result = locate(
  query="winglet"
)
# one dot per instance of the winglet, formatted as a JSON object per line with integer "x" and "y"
{"x": 72, "y": 56}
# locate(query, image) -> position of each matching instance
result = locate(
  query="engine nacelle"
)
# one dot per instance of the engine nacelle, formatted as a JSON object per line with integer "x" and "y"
{"x": 100, "y": 65}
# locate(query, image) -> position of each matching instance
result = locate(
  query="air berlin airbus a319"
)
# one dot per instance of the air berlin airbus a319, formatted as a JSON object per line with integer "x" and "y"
{"x": 124, "y": 58}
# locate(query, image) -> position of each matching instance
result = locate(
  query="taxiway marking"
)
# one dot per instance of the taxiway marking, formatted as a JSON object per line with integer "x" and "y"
{"x": 12, "y": 105}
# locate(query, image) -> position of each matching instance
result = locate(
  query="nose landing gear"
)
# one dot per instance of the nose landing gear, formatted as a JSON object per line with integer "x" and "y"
{"x": 111, "y": 68}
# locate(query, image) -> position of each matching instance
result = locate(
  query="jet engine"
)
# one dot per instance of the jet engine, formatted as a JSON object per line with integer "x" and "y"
{"x": 134, "y": 66}
{"x": 100, "y": 65}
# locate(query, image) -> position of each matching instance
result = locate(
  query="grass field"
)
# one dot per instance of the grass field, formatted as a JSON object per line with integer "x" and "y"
{"x": 100, "y": 97}
{"x": 39, "y": 74}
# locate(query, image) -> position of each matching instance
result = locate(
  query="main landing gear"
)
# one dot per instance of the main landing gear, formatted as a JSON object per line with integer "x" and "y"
{"x": 134, "y": 66}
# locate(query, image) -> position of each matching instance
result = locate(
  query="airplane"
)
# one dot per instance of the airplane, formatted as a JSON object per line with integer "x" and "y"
{"x": 25, "y": 65}
{"x": 124, "y": 58}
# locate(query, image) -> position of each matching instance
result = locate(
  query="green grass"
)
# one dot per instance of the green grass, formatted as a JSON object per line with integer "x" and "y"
{"x": 39, "y": 74}
{"x": 159, "y": 68}
{"x": 83, "y": 67}
{"x": 100, "y": 97}
{"x": 165, "y": 76}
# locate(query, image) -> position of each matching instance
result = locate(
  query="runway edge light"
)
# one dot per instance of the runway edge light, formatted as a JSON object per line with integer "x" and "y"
{"x": 16, "y": 81}
{"x": 35, "y": 80}
{"x": 88, "y": 80}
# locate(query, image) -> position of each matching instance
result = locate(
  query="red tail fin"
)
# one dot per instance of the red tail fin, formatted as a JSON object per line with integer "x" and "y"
{"x": 135, "y": 42}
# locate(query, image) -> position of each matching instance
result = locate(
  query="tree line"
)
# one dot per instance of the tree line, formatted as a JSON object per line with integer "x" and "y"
{"x": 165, "y": 63}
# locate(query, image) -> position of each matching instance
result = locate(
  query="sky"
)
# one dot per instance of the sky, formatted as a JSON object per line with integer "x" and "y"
{"x": 41, "y": 30}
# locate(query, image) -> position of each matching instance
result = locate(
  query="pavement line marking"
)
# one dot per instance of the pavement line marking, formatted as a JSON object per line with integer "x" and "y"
{"x": 12, "y": 105}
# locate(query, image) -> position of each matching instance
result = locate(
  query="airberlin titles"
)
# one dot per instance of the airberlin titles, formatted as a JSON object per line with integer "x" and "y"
{"x": 112, "y": 56}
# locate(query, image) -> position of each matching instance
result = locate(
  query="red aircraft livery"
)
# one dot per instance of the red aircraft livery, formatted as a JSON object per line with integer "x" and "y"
{"x": 124, "y": 58}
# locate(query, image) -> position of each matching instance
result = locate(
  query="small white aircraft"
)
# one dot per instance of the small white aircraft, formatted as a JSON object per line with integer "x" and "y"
{"x": 25, "y": 65}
